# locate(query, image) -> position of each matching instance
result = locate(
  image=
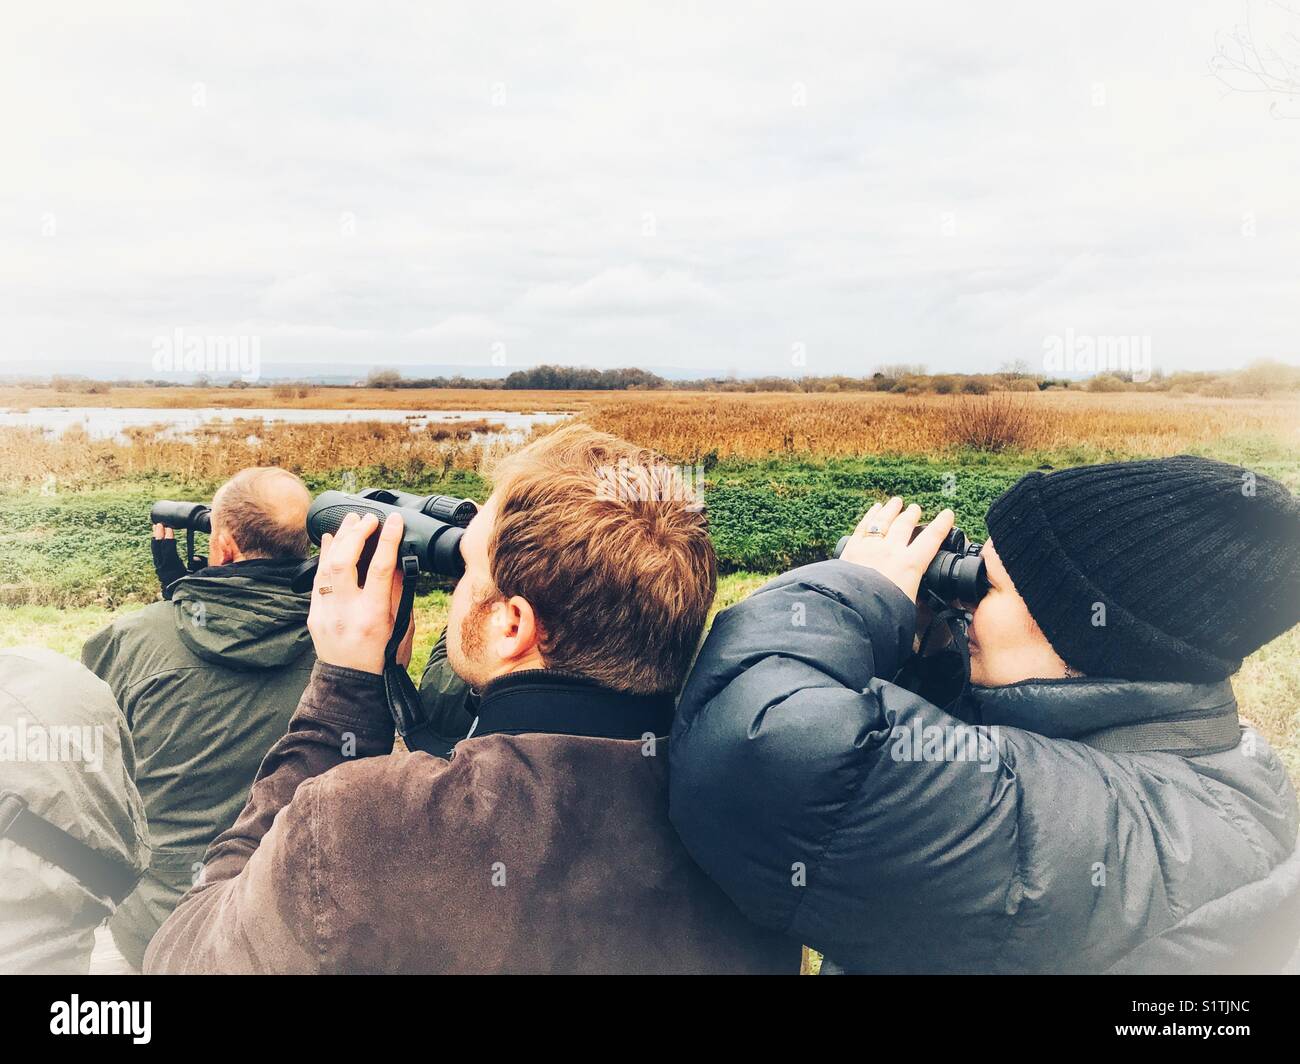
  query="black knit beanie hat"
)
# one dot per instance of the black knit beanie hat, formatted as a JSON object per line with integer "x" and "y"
{"x": 1172, "y": 569}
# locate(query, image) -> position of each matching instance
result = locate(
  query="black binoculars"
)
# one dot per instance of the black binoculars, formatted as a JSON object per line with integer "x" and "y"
{"x": 432, "y": 527}
{"x": 188, "y": 516}
{"x": 957, "y": 573}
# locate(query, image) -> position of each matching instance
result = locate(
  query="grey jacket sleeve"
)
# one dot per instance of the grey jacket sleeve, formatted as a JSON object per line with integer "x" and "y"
{"x": 802, "y": 782}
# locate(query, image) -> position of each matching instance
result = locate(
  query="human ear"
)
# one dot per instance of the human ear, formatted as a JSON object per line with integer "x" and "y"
{"x": 519, "y": 633}
{"x": 222, "y": 548}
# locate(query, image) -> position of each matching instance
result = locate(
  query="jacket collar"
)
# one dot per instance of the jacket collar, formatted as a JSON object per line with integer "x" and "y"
{"x": 267, "y": 570}
{"x": 559, "y": 703}
{"x": 242, "y": 616}
{"x": 1067, "y": 708}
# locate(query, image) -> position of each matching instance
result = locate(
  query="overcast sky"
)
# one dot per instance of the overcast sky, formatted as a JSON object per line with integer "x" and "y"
{"x": 692, "y": 185}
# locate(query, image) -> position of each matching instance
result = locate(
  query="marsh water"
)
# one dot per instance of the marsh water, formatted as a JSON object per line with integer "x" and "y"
{"x": 112, "y": 422}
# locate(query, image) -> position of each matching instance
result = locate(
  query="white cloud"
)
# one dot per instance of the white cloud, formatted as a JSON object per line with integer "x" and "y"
{"x": 303, "y": 291}
{"x": 625, "y": 290}
{"x": 663, "y": 184}
{"x": 465, "y": 327}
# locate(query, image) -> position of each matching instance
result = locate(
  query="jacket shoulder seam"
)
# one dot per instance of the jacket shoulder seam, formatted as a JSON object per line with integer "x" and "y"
{"x": 314, "y": 875}
{"x": 829, "y": 592}
{"x": 1018, "y": 872}
{"x": 164, "y": 672}
{"x": 824, "y": 843}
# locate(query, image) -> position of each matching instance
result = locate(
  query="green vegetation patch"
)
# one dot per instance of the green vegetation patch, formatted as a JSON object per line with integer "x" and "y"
{"x": 769, "y": 516}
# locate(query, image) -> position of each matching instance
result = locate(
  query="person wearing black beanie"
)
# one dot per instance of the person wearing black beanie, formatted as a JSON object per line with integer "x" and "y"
{"x": 1091, "y": 802}
{"x": 1170, "y": 569}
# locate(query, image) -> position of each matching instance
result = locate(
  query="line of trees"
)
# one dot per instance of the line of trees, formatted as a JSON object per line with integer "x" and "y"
{"x": 1259, "y": 379}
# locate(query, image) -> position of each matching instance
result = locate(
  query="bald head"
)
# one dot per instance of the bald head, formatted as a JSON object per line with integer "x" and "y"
{"x": 263, "y": 510}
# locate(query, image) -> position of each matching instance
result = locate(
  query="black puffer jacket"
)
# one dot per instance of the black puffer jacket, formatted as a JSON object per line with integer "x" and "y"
{"x": 822, "y": 800}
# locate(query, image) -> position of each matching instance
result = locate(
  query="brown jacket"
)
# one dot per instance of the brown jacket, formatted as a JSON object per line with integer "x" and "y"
{"x": 542, "y": 845}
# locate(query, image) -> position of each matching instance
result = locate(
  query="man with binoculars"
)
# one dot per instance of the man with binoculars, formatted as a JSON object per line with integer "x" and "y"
{"x": 1088, "y": 803}
{"x": 208, "y": 680}
{"x": 542, "y": 843}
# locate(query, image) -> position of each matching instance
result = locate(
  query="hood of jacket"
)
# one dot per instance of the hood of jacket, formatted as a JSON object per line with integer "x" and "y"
{"x": 244, "y": 615}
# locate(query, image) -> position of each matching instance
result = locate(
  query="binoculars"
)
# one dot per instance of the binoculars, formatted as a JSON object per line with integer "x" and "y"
{"x": 957, "y": 573}
{"x": 432, "y": 527}
{"x": 191, "y": 517}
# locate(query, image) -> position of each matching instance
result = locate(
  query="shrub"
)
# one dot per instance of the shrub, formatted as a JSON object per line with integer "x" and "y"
{"x": 992, "y": 423}
{"x": 1020, "y": 384}
{"x": 384, "y": 378}
{"x": 1265, "y": 378}
{"x": 1106, "y": 382}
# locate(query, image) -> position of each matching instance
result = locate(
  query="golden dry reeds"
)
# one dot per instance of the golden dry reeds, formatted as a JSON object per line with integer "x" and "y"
{"x": 689, "y": 426}
{"x": 29, "y": 457}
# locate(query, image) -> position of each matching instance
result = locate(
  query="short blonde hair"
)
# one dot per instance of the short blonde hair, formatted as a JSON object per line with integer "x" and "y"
{"x": 264, "y": 508}
{"x": 611, "y": 551}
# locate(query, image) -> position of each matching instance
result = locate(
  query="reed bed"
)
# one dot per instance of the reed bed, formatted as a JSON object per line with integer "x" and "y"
{"x": 29, "y": 457}
{"x": 695, "y": 426}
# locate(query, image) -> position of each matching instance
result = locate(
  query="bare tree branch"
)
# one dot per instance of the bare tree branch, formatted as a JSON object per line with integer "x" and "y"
{"x": 1262, "y": 55}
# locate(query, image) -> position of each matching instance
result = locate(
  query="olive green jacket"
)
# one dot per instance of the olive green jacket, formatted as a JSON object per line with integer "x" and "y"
{"x": 207, "y": 683}
{"x": 447, "y": 700}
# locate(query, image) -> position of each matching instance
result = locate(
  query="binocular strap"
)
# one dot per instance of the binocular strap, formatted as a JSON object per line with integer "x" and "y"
{"x": 403, "y": 698}
{"x": 101, "y": 873}
{"x": 956, "y": 620}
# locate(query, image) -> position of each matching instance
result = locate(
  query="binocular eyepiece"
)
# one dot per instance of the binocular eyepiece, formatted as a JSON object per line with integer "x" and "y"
{"x": 432, "y": 527}
{"x": 452, "y": 511}
{"x": 957, "y": 573}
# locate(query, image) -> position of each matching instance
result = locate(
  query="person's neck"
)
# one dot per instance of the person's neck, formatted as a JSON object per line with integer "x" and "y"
{"x": 528, "y": 663}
